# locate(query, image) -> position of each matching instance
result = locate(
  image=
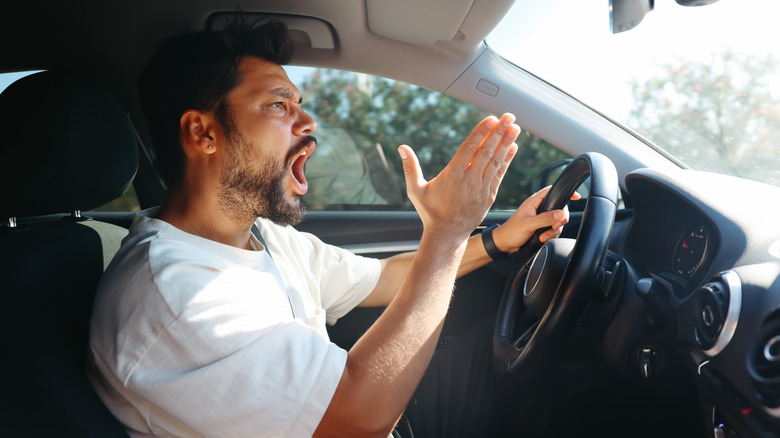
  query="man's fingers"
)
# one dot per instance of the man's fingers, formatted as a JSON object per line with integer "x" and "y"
{"x": 412, "y": 171}
{"x": 552, "y": 218}
{"x": 488, "y": 144}
{"x": 495, "y": 148}
{"x": 502, "y": 170}
{"x": 465, "y": 153}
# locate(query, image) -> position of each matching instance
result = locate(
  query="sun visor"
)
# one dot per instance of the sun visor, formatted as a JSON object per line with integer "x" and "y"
{"x": 421, "y": 22}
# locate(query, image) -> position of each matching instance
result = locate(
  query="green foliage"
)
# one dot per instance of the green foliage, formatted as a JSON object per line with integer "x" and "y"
{"x": 391, "y": 113}
{"x": 719, "y": 115}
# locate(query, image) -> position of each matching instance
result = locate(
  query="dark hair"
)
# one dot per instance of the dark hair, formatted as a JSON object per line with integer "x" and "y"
{"x": 197, "y": 71}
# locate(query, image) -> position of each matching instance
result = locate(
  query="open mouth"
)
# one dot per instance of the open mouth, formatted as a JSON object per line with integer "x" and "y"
{"x": 298, "y": 167}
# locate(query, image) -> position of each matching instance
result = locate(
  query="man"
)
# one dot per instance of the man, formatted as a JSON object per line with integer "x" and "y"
{"x": 201, "y": 329}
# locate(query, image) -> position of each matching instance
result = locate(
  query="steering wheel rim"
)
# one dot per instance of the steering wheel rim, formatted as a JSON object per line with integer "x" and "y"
{"x": 524, "y": 354}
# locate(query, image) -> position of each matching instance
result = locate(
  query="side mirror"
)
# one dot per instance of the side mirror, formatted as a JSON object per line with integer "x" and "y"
{"x": 550, "y": 173}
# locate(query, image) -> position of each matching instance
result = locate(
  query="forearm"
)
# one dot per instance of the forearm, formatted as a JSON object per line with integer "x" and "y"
{"x": 395, "y": 268}
{"x": 474, "y": 257}
{"x": 388, "y": 361}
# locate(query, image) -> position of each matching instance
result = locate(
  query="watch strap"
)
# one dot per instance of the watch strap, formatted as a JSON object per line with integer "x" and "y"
{"x": 490, "y": 245}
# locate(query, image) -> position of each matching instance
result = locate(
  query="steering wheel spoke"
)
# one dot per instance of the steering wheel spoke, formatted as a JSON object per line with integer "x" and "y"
{"x": 527, "y": 334}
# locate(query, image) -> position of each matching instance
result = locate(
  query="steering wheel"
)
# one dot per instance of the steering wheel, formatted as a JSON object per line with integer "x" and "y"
{"x": 555, "y": 281}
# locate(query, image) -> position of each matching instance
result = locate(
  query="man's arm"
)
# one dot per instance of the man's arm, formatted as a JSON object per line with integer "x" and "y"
{"x": 388, "y": 361}
{"x": 509, "y": 237}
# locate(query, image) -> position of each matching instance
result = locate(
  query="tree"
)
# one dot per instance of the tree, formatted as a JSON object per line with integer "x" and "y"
{"x": 390, "y": 113}
{"x": 718, "y": 115}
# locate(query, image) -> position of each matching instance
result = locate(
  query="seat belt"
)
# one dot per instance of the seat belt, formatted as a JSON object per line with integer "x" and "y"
{"x": 259, "y": 237}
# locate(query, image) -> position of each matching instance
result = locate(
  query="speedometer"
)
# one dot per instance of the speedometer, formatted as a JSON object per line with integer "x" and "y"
{"x": 691, "y": 250}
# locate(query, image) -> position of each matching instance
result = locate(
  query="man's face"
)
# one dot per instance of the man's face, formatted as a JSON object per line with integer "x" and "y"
{"x": 268, "y": 141}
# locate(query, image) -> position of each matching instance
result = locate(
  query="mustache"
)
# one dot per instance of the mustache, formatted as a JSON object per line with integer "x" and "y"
{"x": 305, "y": 142}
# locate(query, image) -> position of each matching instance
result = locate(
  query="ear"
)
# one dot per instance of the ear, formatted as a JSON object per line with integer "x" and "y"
{"x": 196, "y": 129}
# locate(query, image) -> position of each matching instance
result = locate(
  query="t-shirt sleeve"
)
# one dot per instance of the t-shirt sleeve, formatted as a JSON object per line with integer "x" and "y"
{"x": 230, "y": 371}
{"x": 337, "y": 278}
{"x": 345, "y": 279}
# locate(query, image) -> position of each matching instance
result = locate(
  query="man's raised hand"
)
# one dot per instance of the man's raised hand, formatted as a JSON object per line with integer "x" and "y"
{"x": 459, "y": 197}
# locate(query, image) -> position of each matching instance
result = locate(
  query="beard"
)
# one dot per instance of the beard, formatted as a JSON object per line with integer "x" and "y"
{"x": 254, "y": 187}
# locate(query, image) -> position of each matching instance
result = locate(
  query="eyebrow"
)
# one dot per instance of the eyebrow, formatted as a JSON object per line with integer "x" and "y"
{"x": 284, "y": 92}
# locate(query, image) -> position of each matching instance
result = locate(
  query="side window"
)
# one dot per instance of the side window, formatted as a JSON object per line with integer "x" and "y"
{"x": 363, "y": 118}
{"x": 128, "y": 201}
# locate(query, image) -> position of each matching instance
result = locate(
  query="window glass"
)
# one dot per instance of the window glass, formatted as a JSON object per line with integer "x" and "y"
{"x": 362, "y": 120}
{"x": 702, "y": 83}
{"x": 7, "y": 79}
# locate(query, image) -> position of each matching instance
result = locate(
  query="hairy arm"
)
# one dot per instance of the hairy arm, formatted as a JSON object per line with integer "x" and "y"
{"x": 388, "y": 361}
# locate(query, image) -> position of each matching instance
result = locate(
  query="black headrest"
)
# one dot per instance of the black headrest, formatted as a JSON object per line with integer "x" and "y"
{"x": 67, "y": 145}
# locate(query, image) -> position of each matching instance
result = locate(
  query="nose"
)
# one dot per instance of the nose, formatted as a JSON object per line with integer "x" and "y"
{"x": 305, "y": 125}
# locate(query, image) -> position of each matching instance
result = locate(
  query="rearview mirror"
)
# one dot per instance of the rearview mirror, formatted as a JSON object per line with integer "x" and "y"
{"x": 627, "y": 14}
{"x": 695, "y": 2}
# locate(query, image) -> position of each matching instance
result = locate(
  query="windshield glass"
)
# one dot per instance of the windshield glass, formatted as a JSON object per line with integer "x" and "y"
{"x": 700, "y": 82}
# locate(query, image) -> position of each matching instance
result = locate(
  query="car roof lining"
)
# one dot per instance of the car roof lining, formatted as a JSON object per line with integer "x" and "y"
{"x": 331, "y": 34}
{"x": 130, "y": 34}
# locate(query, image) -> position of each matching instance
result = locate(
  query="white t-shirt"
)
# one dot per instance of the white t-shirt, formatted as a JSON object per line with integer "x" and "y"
{"x": 190, "y": 337}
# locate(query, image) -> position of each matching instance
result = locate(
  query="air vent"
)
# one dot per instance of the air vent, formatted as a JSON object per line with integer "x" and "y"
{"x": 716, "y": 311}
{"x": 712, "y": 303}
{"x": 764, "y": 361}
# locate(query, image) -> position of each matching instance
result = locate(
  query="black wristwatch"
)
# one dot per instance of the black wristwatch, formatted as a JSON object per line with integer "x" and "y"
{"x": 490, "y": 245}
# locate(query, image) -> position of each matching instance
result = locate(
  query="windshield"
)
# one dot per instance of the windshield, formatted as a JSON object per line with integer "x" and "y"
{"x": 700, "y": 82}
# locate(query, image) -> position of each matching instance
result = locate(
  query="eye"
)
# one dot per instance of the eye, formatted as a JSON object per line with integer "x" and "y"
{"x": 277, "y": 105}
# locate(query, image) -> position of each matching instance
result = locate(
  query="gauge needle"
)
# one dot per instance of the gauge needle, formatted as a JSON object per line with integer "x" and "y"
{"x": 685, "y": 244}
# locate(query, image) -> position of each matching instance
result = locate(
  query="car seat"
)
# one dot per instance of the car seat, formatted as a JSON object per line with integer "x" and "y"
{"x": 68, "y": 147}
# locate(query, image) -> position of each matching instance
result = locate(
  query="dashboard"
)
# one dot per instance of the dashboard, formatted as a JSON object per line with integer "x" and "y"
{"x": 702, "y": 256}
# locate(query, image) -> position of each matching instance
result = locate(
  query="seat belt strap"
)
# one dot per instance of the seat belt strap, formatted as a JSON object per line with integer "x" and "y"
{"x": 259, "y": 237}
